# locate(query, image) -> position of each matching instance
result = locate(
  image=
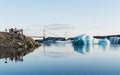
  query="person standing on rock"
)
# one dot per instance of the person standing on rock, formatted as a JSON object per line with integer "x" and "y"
{"x": 11, "y": 30}
{"x": 15, "y": 30}
{"x": 6, "y": 30}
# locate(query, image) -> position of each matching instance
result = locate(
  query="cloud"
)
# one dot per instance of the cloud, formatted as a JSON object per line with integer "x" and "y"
{"x": 58, "y": 27}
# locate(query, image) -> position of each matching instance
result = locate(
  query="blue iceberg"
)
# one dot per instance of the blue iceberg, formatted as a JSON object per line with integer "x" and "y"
{"x": 103, "y": 42}
{"x": 114, "y": 40}
{"x": 83, "y": 40}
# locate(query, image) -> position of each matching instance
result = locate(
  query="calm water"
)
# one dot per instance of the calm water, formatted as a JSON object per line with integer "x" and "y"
{"x": 65, "y": 59}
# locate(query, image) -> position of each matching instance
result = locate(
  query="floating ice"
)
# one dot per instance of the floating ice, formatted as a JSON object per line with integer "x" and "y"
{"x": 83, "y": 40}
{"x": 114, "y": 40}
{"x": 103, "y": 42}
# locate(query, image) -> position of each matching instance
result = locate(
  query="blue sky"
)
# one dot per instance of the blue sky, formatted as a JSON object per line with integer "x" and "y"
{"x": 97, "y": 17}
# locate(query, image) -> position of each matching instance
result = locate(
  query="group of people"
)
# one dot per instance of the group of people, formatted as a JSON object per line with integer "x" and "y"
{"x": 15, "y": 31}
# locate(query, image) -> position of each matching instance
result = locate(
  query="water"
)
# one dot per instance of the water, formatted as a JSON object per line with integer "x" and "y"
{"x": 65, "y": 59}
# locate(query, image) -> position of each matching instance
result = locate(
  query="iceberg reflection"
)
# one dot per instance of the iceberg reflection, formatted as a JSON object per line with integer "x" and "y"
{"x": 83, "y": 49}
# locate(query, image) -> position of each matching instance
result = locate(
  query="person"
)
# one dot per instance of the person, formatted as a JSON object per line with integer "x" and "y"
{"x": 6, "y": 30}
{"x": 21, "y": 31}
{"x": 11, "y": 30}
{"x": 15, "y": 30}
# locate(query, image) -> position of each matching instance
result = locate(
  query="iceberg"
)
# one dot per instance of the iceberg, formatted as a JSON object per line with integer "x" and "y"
{"x": 83, "y": 40}
{"x": 95, "y": 41}
{"x": 114, "y": 40}
{"x": 89, "y": 40}
{"x": 103, "y": 42}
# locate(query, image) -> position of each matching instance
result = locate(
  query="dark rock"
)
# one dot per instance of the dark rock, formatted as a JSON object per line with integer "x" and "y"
{"x": 8, "y": 40}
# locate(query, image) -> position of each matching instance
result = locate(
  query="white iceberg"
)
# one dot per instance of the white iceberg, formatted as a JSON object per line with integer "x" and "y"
{"x": 95, "y": 41}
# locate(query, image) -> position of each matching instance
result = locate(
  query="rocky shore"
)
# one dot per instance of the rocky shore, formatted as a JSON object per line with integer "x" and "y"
{"x": 11, "y": 40}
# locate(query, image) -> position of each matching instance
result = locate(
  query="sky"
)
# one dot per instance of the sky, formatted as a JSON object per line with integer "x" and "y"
{"x": 95, "y": 17}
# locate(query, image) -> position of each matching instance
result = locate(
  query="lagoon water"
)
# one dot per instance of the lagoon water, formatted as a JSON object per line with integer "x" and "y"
{"x": 65, "y": 59}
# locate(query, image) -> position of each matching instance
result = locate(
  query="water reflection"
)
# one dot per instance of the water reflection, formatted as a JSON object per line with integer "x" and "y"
{"x": 83, "y": 49}
{"x": 56, "y": 50}
{"x": 103, "y": 47}
{"x": 54, "y": 44}
{"x": 11, "y": 54}
{"x": 115, "y": 47}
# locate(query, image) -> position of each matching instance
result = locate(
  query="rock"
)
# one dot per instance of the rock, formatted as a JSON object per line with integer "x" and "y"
{"x": 9, "y": 40}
